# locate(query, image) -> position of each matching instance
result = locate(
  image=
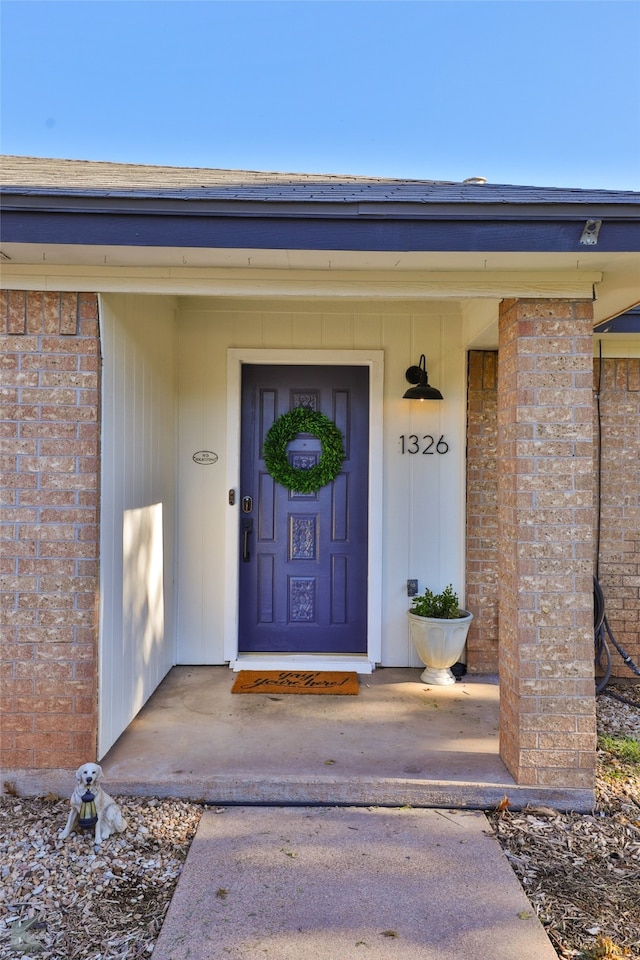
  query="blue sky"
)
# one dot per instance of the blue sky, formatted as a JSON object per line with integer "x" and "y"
{"x": 519, "y": 91}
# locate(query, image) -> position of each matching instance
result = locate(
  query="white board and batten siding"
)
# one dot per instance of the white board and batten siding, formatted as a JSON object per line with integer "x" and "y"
{"x": 138, "y": 505}
{"x": 419, "y": 504}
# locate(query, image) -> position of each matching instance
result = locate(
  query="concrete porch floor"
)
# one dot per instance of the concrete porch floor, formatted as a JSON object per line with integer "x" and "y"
{"x": 398, "y": 742}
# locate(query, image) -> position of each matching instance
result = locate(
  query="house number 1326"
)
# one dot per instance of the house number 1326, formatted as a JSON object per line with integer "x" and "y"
{"x": 427, "y": 445}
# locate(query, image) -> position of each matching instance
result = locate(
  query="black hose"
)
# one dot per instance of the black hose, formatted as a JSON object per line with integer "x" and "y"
{"x": 602, "y": 630}
{"x": 599, "y": 473}
{"x": 602, "y": 647}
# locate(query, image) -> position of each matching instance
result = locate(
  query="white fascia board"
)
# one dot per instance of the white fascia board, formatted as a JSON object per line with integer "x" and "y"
{"x": 247, "y": 282}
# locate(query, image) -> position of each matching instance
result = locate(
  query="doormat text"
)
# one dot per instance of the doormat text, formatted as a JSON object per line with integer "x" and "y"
{"x": 291, "y": 681}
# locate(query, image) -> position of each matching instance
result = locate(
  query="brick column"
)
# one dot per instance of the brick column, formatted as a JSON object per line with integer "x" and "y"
{"x": 49, "y": 514}
{"x": 545, "y": 458}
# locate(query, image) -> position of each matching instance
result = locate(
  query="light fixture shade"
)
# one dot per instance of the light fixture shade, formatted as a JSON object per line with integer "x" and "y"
{"x": 425, "y": 392}
{"x": 421, "y": 390}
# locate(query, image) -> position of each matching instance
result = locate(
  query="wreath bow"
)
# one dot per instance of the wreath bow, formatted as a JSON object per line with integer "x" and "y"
{"x": 284, "y": 430}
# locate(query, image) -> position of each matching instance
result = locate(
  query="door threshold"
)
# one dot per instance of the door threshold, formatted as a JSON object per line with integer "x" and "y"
{"x": 298, "y": 661}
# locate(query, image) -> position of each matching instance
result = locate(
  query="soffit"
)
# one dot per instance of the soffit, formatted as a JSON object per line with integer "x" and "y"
{"x": 615, "y": 277}
{"x": 589, "y": 260}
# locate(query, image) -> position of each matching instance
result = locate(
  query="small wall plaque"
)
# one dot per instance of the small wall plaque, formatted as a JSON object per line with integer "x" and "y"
{"x": 205, "y": 456}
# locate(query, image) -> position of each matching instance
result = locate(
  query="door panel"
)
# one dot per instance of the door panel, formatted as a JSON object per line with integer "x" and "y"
{"x": 303, "y": 556}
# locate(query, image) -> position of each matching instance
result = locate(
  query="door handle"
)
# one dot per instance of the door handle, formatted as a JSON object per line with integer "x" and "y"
{"x": 247, "y": 528}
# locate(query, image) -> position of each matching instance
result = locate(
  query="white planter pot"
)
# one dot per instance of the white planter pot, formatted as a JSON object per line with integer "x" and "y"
{"x": 439, "y": 644}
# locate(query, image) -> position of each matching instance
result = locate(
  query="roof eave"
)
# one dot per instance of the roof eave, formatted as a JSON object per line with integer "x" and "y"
{"x": 15, "y": 199}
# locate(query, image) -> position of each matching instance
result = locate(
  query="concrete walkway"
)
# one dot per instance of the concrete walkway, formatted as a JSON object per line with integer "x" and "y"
{"x": 327, "y": 883}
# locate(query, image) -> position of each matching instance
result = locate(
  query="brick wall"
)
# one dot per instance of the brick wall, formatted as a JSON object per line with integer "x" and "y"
{"x": 49, "y": 524}
{"x": 619, "y": 564}
{"x": 482, "y": 511}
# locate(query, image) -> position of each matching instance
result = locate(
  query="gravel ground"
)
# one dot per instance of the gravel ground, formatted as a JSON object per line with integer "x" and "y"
{"x": 88, "y": 906}
{"x": 581, "y": 872}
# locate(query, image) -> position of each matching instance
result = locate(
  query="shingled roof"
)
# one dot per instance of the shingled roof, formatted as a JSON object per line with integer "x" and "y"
{"x": 32, "y": 176}
{"x": 78, "y": 202}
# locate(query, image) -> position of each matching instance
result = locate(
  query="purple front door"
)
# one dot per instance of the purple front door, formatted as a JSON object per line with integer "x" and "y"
{"x": 303, "y": 556}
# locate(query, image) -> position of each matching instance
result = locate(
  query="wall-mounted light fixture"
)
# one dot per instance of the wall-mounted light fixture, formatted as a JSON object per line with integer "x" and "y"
{"x": 422, "y": 389}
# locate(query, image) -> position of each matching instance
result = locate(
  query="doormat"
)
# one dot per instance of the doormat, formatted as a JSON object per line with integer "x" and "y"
{"x": 290, "y": 681}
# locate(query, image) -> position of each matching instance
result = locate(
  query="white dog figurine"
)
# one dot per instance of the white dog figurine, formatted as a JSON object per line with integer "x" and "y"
{"x": 110, "y": 819}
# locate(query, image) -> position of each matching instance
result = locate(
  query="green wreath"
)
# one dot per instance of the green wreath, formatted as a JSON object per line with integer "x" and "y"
{"x": 284, "y": 430}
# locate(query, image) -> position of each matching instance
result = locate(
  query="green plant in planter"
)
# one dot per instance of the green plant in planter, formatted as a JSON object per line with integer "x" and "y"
{"x": 441, "y": 606}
